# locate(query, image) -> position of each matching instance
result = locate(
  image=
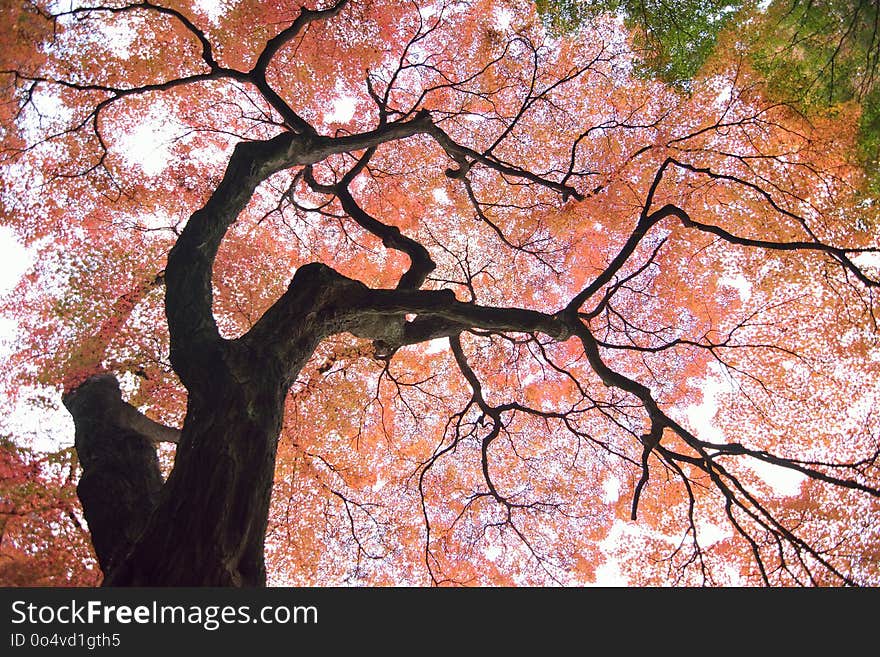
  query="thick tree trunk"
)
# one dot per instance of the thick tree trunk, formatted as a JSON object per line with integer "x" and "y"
{"x": 120, "y": 484}
{"x": 209, "y": 525}
{"x": 206, "y": 525}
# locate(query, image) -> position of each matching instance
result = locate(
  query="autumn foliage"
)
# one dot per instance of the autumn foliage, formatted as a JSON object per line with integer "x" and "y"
{"x": 656, "y": 358}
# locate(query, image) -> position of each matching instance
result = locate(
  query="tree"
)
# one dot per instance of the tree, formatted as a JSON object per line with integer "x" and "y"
{"x": 826, "y": 54}
{"x": 429, "y": 293}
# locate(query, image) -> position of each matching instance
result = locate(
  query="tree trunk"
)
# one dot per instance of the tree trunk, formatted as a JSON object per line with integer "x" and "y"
{"x": 206, "y": 525}
{"x": 209, "y": 526}
{"x": 120, "y": 483}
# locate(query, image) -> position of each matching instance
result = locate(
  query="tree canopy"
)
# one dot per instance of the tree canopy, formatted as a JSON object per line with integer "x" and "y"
{"x": 816, "y": 55}
{"x": 373, "y": 292}
{"x": 672, "y": 40}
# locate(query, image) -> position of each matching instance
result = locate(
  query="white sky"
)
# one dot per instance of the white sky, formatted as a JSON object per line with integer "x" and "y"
{"x": 14, "y": 260}
{"x": 213, "y": 8}
{"x": 46, "y": 430}
{"x": 343, "y": 110}
{"x": 148, "y": 145}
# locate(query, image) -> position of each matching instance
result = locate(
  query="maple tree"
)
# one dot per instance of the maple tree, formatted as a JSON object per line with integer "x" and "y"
{"x": 423, "y": 294}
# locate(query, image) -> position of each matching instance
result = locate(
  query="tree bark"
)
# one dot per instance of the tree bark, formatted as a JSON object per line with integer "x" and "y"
{"x": 120, "y": 483}
{"x": 209, "y": 524}
{"x": 206, "y": 525}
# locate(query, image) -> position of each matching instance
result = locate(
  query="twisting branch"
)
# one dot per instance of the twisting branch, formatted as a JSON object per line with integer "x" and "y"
{"x": 248, "y": 377}
{"x": 839, "y": 254}
{"x": 258, "y": 73}
{"x": 421, "y": 263}
{"x": 466, "y": 156}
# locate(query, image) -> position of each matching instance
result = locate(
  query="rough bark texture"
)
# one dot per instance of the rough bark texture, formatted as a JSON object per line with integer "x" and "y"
{"x": 211, "y": 514}
{"x": 215, "y": 503}
{"x": 120, "y": 483}
{"x": 205, "y": 526}
{"x": 216, "y": 500}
